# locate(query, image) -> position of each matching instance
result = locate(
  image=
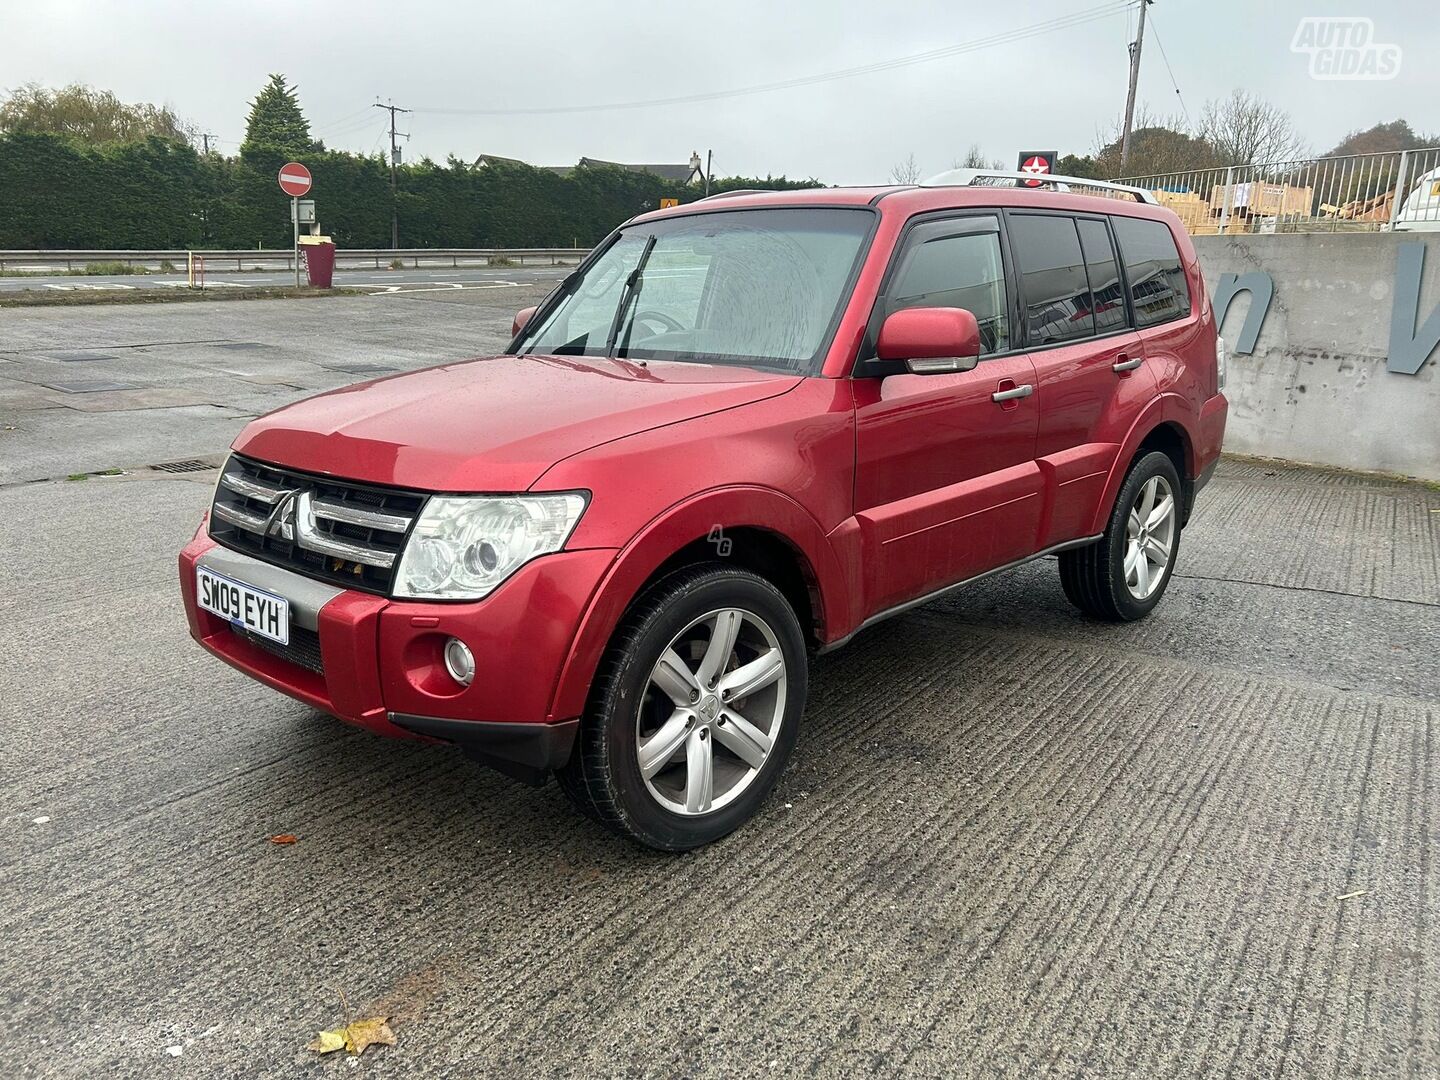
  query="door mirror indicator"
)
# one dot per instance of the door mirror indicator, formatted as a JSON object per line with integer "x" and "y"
{"x": 522, "y": 317}
{"x": 931, "y": 341}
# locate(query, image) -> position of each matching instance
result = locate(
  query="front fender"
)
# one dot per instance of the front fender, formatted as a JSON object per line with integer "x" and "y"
{"x": 682, "y": 524}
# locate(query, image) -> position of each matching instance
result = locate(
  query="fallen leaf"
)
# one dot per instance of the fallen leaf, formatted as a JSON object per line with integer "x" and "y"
{"x": 284, "y": 838}
{"x": 328, "y": 1041}
{"x": 363, "y": 1033}
{"x": 355, "y": 1037}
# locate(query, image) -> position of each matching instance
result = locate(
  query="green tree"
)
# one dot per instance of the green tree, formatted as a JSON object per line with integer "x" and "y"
{"x": 95, "y": 116}
{"x": 276, "y": 127}
{"x": 1382, "y": 138}
{"x": 1078, "y": 165}
{"x": 1156, "y": 150}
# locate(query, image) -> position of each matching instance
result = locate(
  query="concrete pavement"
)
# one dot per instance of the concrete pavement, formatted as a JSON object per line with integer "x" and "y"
{"x": 1010, "y": 842}
{"x": 355, "y": 277}
{"x": 119, "y": 386}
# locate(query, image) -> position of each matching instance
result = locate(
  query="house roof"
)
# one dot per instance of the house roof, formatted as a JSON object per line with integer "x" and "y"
{"x": 680, "y": 172}
{"x": 496, "y": 159}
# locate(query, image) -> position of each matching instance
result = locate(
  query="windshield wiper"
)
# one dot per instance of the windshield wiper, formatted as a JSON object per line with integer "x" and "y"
{"x": 627, "y": 298}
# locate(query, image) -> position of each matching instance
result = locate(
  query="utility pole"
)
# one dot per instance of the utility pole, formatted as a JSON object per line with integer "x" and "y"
{"x": 709, "y": 163}
{"x": 206, "y": 137}
{"x": 394, "y": 215}
{"x": 1134, "y": 82}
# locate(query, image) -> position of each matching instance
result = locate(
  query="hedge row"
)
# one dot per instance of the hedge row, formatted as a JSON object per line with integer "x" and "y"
{"x": 59, "y": 193}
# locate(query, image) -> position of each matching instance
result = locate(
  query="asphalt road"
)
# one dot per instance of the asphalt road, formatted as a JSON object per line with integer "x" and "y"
{"x": 1010, "y": 842}
{"x": 359, "y": 277}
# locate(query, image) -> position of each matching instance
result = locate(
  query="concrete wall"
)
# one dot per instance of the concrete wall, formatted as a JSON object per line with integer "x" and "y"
{"x": 1316, "y": 387}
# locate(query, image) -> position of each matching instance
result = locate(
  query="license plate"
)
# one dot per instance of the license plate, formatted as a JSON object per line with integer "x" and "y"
{"x": 243, "y": 605}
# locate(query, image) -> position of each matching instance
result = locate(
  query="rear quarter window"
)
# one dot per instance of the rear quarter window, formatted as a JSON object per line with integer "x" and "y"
{"x": 1152, "y": 264}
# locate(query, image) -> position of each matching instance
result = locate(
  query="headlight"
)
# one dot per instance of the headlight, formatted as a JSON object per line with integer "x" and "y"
{"x": 1220, "y": 362}
{"x": 463, "y": 546}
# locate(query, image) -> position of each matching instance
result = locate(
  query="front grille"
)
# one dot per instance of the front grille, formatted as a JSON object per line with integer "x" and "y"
{"x": 348, "y": 534}
{"x": 303, "y": 650}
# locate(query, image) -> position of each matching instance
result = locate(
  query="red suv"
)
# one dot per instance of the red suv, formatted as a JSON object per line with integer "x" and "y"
{"x": 742, "y": 431}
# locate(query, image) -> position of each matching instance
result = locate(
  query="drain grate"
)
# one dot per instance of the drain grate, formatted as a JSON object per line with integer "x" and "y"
{"x": 193, "y": 465}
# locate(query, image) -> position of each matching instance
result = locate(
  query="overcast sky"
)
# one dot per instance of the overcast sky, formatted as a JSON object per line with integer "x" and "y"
{"x": 1049, "y": 90}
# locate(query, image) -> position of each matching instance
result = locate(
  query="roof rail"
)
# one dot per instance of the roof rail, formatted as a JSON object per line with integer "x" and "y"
{"x": 975, "y": 178}
{"x": 736, "y": 191}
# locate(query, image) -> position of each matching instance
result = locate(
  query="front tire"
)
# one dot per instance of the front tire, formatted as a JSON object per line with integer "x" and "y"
{"x": 1121, "y": 577}
{"x": 694, "y": 711}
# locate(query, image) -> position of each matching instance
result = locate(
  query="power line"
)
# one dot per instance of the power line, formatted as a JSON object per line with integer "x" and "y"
{"x": 1064, "y": 22}
{"x": 1155, "y": 29}
{"x": 342, "y": 120}
{"x": 364, "y": 124}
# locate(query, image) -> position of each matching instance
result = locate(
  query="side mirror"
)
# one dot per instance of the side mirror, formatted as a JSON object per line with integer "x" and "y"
{"x": 522, "y": 317}
{"x": 931, "y": 340}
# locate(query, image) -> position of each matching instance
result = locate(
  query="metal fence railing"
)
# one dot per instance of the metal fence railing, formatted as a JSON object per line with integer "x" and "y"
{"x": 1359, "y": 193}
{"x": 282, "y": 258}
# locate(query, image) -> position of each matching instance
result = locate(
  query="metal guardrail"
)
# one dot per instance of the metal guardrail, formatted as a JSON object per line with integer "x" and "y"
{"x": 1397, "y": 190}
{"x": 275, "y": 259}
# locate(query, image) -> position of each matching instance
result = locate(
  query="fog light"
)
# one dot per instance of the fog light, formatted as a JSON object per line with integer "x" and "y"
{"x": 459, "y": 661}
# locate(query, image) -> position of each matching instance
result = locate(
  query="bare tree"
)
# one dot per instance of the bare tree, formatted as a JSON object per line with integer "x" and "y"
{"x": 907, "y": 172}
{"x": 975, "y": 159}
{"x": 1246, "y": 130}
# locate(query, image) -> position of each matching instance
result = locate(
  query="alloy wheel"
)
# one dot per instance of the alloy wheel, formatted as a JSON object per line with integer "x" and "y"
{"x": 711, "y": 711}
{"x": 1149, "y": 537}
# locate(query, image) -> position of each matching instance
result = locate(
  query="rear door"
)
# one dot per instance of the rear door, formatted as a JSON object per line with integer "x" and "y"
{"x": 946, "y": 484}
{"x": 1089, "y": 363}
{"x": 1167, "y": 320}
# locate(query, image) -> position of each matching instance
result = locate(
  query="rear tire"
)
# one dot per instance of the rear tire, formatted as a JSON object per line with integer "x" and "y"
{"x": 1123, "y": 575}
{"x": 694, "y": 711}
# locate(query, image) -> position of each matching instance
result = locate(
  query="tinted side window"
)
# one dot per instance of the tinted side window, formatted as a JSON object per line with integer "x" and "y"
{"x": 1107, "y": 293}
{"x": 1052, "y": 274}
{"x": 963, "y": 271}
{"x": 1152, "y": 263}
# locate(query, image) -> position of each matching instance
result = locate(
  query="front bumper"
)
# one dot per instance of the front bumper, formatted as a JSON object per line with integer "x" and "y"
{"x": 380, "y": 663}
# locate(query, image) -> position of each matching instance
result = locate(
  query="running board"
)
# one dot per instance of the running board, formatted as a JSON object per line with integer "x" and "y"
{"x": 900, "y": 609}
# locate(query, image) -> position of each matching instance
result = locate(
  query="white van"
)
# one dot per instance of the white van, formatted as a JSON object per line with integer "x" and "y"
{"x": 1421, "y": 210}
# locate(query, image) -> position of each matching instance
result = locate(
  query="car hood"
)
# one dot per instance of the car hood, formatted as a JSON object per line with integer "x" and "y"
{"x": 493, "y": 423}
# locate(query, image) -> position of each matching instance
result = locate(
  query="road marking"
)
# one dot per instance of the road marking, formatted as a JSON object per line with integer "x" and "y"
{"x": 100, "y": 286}
{"x": 392, "y": 290}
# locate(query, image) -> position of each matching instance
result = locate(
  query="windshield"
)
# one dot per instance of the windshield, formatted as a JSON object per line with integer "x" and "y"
{"x": 759, "y": 288}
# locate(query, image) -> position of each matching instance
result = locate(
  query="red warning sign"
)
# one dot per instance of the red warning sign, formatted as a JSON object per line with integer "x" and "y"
{"x": 1036, "y": 164}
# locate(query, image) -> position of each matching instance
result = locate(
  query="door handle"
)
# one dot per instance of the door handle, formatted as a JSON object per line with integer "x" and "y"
{"x": 1127, "y": 365}
{"x": 1014, "y": 392}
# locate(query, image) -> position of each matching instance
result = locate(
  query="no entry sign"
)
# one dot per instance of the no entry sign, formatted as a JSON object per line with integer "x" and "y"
{"x": 294, "y": 179}
{"x": 1036, "y": 163}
